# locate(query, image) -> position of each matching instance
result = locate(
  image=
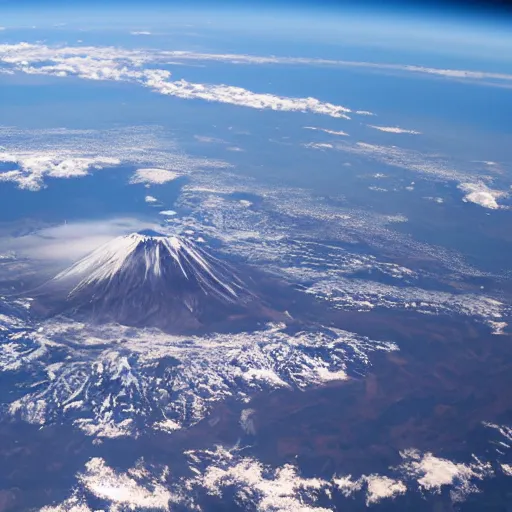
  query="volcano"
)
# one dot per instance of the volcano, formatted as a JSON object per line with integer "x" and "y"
{"x": 147, "y": 279}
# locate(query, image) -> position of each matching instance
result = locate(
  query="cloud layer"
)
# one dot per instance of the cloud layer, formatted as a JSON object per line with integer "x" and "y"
{"x": 107, "y": 63}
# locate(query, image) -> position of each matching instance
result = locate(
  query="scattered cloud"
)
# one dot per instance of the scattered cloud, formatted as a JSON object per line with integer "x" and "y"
{"x": 150, "y": 199}
{"x": 30, "y": 157}
{"x": 138, "y": 488}
{"x": 430, "y": 166}
{"x": 153, "y": 176}
{"x": 253, "y": 483}
{"x": 168, "y": 213}
{"x": 394, "y": 129}
{"x": 140, "y": 33}
{"x": 479, "y": 193}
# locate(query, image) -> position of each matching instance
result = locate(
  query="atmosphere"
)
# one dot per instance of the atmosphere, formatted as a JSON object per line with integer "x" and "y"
{"x": 255, "y": 256}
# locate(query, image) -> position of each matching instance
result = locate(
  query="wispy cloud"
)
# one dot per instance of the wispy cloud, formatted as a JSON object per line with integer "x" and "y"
{"x": 66, "y": 243}
{"x": 256, "y": 59}
{"x": 330, "y": 132}
{"x": 25, "y": 52}
{"x": 140, "y": 33}
{"x": 394, "y": 129}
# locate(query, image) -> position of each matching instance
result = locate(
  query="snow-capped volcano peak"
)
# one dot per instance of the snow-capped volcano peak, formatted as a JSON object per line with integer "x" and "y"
{"x": 149, "y": 279}
{"x": 152, "y": 255}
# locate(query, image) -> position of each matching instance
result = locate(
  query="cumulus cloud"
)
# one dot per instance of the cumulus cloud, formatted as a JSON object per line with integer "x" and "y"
{"x": 432, "y": 473}
{"x": 153, "y": 176}
{"x": 394, "y": 129}
{"x": 252, "y": 485}
{"x": 378, "y": 487}
{"x": 264, "y": 489}
{"x": 135, "y": 489}
{"x": 150, "y": 199}
{"x": 29, "y": 171}
{"x": 479, "y": 193}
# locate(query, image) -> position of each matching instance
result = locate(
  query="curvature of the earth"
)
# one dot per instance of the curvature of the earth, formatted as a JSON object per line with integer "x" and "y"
{"x": 258, "y": 261}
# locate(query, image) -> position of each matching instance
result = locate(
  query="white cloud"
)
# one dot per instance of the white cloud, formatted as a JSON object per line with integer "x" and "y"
{"x": 157, "y": 80}
{"x": 430, "y": 166}
{"x": 378, "y": 487}
{"x": 507, "y": 469}
{"x": 254, "y": 59}
{"x": 140, "y": 33}
{"x": 31, "y": 170}
{"x": 168, "y": 213}
{"x": 33, "y": 156}
{"x": 153, "y": 176}
{"x": 107, "y": 63}
{"x": 318, "y": 145}
{"x": 124, "y": 489}
{"x": 381, "y": 487}
{"x": 432, "y": 472}
{"x": 394, "y": 129}
{"x": 479, "y": 193}
{"x": 267, "y": 490}
{"x": 150, "y": 199}
{"x": 330, "y": 132}
{"x": 24, "y": 55}
{"x": 133, "y": 490}
{"x": 68, "y": 242}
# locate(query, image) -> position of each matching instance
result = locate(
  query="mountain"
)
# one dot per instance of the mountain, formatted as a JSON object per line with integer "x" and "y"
{"x": 147, "y": 279}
